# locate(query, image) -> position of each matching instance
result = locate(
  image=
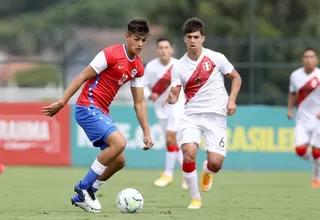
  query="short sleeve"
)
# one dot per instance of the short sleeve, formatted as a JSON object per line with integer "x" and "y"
{"x": 99, "y": 62}
{"x": 224, "y": 65}
{"x": 146, "y": 80}
{"x": 137, "y": 82}
{"x": 175, "y": 76}
{"x": 292, "y": 87}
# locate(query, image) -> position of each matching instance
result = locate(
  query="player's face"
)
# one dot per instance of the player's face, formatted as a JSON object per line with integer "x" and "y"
{"x": 310, "y": 59}
{"x": 194, "y": 41}
{"x": 135, "y": 42}
{"x": 164, "y": 50}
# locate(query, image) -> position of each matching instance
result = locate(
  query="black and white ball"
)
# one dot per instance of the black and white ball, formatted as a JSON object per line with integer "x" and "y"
{"x": 129, "y": 201}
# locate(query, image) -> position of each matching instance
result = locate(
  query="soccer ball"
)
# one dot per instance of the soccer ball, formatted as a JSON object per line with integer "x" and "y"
{"x": 129, "y": 201}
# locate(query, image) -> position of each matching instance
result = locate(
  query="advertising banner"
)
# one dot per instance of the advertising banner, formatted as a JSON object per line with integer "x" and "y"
{"x": 27, "y": 137}
{"x": 259, "y": 138}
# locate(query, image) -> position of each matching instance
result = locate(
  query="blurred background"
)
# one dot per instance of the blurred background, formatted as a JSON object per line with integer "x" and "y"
{"x": 45, "y": 43}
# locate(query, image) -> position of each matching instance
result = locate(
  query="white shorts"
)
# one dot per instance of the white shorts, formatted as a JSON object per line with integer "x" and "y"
{"x": 309, "y": 135}
{"x": 169, "y": 124}
{"x": 212, "y": 126}
{"x": 172, "y": 122}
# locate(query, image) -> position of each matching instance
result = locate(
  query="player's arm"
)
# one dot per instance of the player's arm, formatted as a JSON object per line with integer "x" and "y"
{"x": 291, "y": 98}
{"x": 87, "y": 74}
{"x": 97, "y": 65}
{"x": 174, "y": 93}
{"x": 140, "y": 108}
{"x": 236, "y": 82}
{"x": 230, "y": 72}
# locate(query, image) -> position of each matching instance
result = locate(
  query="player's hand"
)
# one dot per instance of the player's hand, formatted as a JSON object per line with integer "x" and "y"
{"x": 153, "y": 96}
{"x": 167, "y": 99}
{"x": 318, "y": 116}
{"x": 148, "y": 142}
{"x": 231, "y": 107}
{"x": 290, "y": 114}
{"x": 52, "y": 109}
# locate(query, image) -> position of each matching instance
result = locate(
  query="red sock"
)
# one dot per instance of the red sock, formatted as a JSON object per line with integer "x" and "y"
{"x": 301, "y": 150}
{"x": 316, "y": 153}
{"x": 172, "y": 148}
{"x": 188, "y": 167}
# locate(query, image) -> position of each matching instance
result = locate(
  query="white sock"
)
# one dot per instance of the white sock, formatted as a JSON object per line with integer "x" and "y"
{"x": 180, "y": 157}
{"x": 98, "y": 184}
{"x": 316, "y": 169}
{"x": 170, "y": 162}
{"x": 205, "y": 168}
{"x": 308, "y": 154}
{"x": 192, "y": 182}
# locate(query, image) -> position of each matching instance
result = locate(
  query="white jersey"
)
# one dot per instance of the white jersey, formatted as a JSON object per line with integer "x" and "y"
{"x": 307, "y": 89}
{"x": 203, "y": 82}
{"x": 157, "y": 79}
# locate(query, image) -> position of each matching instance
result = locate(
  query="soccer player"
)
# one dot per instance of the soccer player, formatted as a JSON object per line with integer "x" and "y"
{"x": 304, "y": 91}
{"x": 108, "y": 71}
{"x": 201, "y": 72}
{"x": 157, "y": 85}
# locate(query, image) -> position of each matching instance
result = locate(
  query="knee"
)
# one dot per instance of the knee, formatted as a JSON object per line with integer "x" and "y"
{"x": 171, "y": 139}
{"x": 215, "y": 166}
{"x": 301, "y": 150}
{"x": 121, "y": 163}
{"x": 120, "y": 144}
{"x": 188, "y": 158}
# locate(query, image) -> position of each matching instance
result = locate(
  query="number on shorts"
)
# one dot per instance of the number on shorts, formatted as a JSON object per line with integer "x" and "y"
{"x": 221, "y": 143}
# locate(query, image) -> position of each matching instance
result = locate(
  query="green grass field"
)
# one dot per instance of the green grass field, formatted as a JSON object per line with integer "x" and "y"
{"x": 44, "y": 194}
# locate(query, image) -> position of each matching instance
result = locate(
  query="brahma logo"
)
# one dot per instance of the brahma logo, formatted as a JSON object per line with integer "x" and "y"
{"x": 29, "y": 131}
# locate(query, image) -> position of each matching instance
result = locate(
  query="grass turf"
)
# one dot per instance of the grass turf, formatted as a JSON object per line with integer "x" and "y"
{"x": 42, "y": 193}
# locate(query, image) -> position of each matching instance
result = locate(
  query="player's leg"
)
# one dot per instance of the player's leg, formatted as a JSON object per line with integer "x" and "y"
{"x": 102, "y": 132}
{"x": 215, "y": 137}
{"x": 302, "y": 138}
{"x": 315, "y": 143}
{"x": 85, "y": 193}
{"x": 167, "y": 176}
{"x": 172, "y": 127}
{"x": 176, "y": 155}
{"x": 301, "y": 142}
{"x": 114, "y": 167}
{"x": 189, "y": 138}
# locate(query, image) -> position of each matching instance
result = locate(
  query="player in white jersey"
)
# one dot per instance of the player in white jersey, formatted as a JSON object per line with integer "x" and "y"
{"x": 304, "y": 90}
{"x": 201, "y": 73}
{"x": 157, "y": 80}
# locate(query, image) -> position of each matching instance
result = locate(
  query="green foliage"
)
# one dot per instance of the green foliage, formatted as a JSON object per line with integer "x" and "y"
{"x": 39, "y": 76}
{"x": 28, "y": 26}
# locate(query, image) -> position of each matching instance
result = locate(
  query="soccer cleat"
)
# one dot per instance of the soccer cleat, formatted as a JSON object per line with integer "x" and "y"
{"x": 184, "y": 184}
{"x": 88, "y": 197}
{"x": 163, "y": 181}
{"x": 77, "y": 201}
{"x": 315, "y": 184}
{"x": 195, "y": 204}
{"x": 206, "y": 181}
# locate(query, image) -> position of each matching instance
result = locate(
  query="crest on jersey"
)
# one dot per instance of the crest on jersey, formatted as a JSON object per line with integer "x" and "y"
{"x": 133, "y": 73}
{"x": 206, "y": 66}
